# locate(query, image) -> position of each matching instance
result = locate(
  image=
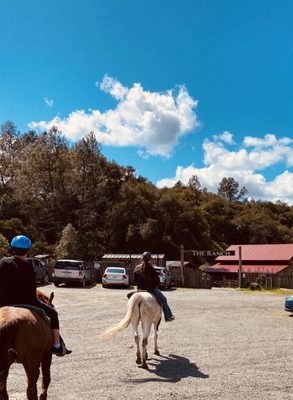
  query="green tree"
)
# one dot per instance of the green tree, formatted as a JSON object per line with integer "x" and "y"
{"x": 258, "y": 223}
{"x": 133, "y": 209}
{"x": 13, "y": 227}
{"x": 68, "y": 246}
{"x": 181, "y": 220}
{"x": 229, "y": 189}
{"x": 42, "y": 184}
{"x": 4, "y": 246}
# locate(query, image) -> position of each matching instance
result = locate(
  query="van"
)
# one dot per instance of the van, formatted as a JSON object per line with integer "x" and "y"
{"x": 73, "y": 271}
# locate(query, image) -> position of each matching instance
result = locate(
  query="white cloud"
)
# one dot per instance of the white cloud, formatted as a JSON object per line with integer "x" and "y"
{"x": 243, "y": 164}
{"x": 226, "y": 137}
{"x": 49, "y": 102}
{"x": 112, "y": 86}
{"x": 152, "y": 121}
{"x": 269, "y": 140}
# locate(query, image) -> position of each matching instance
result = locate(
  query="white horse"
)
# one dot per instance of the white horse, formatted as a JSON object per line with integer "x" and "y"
{"x": 144, "y": 307}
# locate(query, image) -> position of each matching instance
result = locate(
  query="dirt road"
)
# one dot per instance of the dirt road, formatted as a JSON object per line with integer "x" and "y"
{"x": 223, "y": 345}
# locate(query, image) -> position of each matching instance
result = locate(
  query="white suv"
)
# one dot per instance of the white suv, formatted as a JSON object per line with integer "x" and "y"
{"x": 73, "y": 271}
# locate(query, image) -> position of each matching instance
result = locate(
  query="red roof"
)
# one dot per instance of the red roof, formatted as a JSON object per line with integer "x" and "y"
{"x": 268, "y": 269}
{"x": 260, "y": 252}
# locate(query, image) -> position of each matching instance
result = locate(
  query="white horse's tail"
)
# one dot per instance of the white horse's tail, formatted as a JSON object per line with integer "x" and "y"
{"x": 134, "y": 302}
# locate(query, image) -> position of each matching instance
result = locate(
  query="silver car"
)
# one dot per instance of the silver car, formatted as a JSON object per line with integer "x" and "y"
{"x": 73, "y": 271}
{"x": 165, "y": 277}
{"x": 115, "y": 276}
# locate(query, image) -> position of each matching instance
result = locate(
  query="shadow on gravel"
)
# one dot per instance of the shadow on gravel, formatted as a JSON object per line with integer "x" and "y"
{"x": 171, "y": 369}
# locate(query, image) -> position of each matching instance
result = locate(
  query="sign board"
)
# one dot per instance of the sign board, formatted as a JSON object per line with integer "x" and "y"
{"x": 210, "y": 253}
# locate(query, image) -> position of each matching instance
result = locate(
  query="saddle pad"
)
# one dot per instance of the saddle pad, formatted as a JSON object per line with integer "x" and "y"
{"x": 34, "y": 308}
{"x": 129, "y": 294}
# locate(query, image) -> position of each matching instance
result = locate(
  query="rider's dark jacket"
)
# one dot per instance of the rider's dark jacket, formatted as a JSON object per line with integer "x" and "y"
{"x": 148, "y": 282}
{"x": 17, "y": 282}
{"x": 18, "y": 286}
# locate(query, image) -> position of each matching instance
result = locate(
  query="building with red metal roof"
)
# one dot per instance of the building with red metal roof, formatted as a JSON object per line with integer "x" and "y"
{"x": 270, "y": 263}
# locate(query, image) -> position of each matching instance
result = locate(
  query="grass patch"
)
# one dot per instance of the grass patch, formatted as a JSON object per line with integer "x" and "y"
{"x": 282, "y": 292}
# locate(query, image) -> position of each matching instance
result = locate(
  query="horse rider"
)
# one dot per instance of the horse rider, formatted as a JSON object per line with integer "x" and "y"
{"x": 18, "y": 286}
{"x": 147, "y": 278}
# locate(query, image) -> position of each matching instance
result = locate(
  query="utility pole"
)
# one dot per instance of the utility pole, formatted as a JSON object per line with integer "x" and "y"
{"x": 182, "y": 264}
{"x": 239, "y": 266}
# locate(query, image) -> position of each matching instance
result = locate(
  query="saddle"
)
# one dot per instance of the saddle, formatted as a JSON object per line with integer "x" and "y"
{"x": 38, "y": 310}
{"x": 129, "y": 294}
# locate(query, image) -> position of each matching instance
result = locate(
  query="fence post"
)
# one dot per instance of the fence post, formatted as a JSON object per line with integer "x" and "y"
{"x": 182, "y": 264}
{"x": 239, "y": 267}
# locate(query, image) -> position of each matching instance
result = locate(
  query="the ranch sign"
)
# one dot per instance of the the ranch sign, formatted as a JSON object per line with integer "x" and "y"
{"x": 210, "y": 253}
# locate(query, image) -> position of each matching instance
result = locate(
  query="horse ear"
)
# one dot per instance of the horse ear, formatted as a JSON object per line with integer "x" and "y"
{"x": 51, "y": 297}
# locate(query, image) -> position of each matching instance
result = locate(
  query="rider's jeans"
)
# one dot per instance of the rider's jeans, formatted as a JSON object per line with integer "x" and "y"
{"x": 166, "y": 309}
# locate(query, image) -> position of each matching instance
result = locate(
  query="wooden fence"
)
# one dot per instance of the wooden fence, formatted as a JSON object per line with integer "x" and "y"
{"x": 281, "y": 280}
{"x": 195, "y": 278}
{"x": 285, "y": 280}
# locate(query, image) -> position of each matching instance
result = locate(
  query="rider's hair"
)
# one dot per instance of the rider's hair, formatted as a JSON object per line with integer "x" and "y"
{"x": 144, "y": 269}
{"x": 19, "y": 252}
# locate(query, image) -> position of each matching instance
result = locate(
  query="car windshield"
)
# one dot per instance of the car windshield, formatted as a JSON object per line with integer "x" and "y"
{"x": 115, "y": 270}
{"x": 67, "y": 265}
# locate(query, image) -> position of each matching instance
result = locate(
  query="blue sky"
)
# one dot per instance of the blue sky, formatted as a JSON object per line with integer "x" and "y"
{"x": 173, "y": 88}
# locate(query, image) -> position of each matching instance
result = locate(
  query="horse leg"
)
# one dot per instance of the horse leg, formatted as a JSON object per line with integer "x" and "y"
{"x": 3, "y": 385}
{"x": 32, "y": 369}
{"x": 146, "y": 328}
{"x": 136, "y": 339}
{"x": 156, "y": 350}
{"x": 46, "y": 375}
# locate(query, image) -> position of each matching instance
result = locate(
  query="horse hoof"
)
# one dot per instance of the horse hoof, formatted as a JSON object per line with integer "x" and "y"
{"x": 144, "y": 366}
{"x": 157, "y": 353}
{"x": 138, "y": 361}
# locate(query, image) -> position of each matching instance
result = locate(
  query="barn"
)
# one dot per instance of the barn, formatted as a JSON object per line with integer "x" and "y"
{"x": 270, "y": 265}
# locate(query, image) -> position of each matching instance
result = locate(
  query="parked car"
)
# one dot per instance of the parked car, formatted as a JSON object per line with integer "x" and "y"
{"x": 289, "y": 303}
{"x": 165, "y": 277}
{"x": 115, "y": 276}
{"x": 73, "y": 271}
{"x": 40, "y": 269}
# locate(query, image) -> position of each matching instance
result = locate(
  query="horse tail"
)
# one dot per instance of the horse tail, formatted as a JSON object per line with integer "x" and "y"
{"x": 7, "y": 354}
{"x": 134, "y": 302}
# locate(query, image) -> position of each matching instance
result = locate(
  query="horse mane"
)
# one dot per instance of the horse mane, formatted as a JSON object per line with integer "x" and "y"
{"x": 44, "y": 298}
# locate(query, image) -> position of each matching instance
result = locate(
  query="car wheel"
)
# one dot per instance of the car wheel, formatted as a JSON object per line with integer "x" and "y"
{"x": 56, "y": 284}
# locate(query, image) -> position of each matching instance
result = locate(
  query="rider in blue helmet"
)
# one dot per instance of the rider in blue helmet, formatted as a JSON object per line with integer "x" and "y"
{"x": 20, "y": 244}
{"x": 18, "y": 286}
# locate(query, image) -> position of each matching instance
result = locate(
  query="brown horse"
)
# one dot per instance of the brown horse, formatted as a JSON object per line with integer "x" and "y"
{"x": 26, "y": 338}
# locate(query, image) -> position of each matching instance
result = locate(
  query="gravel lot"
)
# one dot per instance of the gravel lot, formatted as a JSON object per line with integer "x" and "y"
{"x": 224, "y": 344}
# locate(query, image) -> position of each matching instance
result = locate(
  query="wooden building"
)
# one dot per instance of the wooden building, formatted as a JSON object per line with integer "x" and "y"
{"x": 193, "y": 276}
{"x": 270, "y": 265}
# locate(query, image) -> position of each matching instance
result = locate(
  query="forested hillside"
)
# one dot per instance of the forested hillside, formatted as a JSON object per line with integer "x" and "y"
{"x": 52, "y": 190}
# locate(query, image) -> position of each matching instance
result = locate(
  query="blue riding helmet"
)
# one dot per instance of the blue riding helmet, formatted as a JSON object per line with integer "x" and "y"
{"x": 21, "y": 242}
